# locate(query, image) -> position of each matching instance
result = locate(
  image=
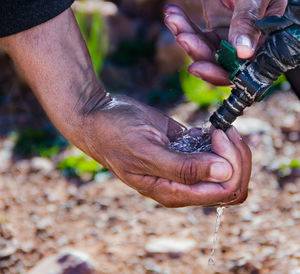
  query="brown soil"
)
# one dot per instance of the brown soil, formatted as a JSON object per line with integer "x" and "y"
{"x": 41, "y": 212}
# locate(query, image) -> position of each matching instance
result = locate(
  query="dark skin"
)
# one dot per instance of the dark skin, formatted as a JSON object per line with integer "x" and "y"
{"x": 129, "y": 138}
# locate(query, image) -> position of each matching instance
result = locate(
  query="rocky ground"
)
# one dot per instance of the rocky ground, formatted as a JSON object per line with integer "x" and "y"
{"x": 44, "y": 214}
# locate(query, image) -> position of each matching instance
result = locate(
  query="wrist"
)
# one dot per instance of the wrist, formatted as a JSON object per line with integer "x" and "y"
{"x": 91, "y": 98}
{"x": 55, "y": 62}
{"x": 87, "y": 121}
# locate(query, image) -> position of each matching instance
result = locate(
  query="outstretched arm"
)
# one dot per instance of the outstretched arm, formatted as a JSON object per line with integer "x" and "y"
{"x": 129, "y": 138}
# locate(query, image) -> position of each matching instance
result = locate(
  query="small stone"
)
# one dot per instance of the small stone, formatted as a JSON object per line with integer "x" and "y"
{"x": 7, "y": 248}
{"x": 23, "y": 166}
{"x": 247, "y": 217}
{"x": 102, "y": 177}
{"x": 51, "y": 208}
{"x": 66, "y": 261}
{"x": 27, "y": 246}
{"x": 44, "y": 223}
{"x": 248, "y": 126}
{"x": 63, "y": 240}
{"x": 294, "y": 136}
{"x": 42, "y": 164}
{"x": 246, "y": 236}
{"x": 267, "y": 251}
{"x": 255, "y": 208}
{"x": 296, "y": 214}
{"x": 167, "y": 245}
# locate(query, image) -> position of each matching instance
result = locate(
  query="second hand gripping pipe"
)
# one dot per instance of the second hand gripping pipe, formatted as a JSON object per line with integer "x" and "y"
{"x": 279, "y": 53}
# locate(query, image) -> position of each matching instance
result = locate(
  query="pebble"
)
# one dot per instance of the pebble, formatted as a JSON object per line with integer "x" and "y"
{"x": 247, "y": 217}
{"x": 63, "y": 240}
{"x": 66, "y": 261}
{"x": 248, "y": 126}
{"x": 27, "y": 246}
{"x": 44, "y": 223}
{"x": 7, "y": 248}
{"x": 42, "y": 164}
{"x": 166, "y": 245}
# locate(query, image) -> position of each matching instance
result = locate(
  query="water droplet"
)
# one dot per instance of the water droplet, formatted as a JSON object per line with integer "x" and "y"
{"x": 211, "y": 261}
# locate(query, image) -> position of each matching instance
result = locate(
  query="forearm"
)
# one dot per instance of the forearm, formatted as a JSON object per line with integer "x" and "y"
{"x": 55, "y": 61}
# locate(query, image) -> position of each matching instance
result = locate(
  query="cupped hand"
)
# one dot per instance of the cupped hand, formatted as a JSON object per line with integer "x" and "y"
{"x": 231, "y": 20}
{"x": 132, "y": 139}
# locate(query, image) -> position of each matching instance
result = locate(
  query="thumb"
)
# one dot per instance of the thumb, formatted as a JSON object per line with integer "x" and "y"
{"x": 188, "y": 168}
{"x": 243, "y": 34}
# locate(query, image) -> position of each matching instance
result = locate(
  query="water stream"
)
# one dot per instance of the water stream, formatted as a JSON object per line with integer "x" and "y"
{"x": 193, "y": 141}
{"x": 220, "y": 211}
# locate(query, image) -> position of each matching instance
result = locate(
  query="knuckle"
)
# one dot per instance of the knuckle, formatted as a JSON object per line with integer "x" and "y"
{"x": 243, "y": 197}
{"x": 188, "y": 171}
{"x": 234, "y": 196}
{"x": 244, "y": 22}
{"x": 246, "y": 15}
{"x": 182, "y": 37}
{"x": 240, "y": 197}
{"x": 276, "y": 7}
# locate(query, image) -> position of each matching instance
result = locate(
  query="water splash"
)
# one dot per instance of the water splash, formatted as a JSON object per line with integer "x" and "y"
{"x": 193, "y": 141}
{"x": 220, "y": 211}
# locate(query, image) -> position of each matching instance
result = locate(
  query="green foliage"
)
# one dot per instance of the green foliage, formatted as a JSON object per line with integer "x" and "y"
{"x": 295, "y": 163}
{"x": 285, "y": 170}
{"x": 200, "y": 92}
{"x": 45, "y": 142}
{"x": 280, "y": 81}
{"x": 95, "y": 34}
{"x": 77, "y": 165}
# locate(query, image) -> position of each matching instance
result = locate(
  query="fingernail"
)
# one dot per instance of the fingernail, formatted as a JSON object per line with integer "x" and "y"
{"x": 243, "y": 40}
{"x": 244, "y": 46}
{"x": 220, "y": 171}
{"x": 237, "y": 135}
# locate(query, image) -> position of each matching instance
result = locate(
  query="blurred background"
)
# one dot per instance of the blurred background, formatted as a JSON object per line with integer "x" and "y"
{"x": 62, "y": 211}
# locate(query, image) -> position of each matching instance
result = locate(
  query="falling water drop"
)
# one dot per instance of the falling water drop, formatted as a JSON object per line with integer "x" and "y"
{"x": 211, "y": 261}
